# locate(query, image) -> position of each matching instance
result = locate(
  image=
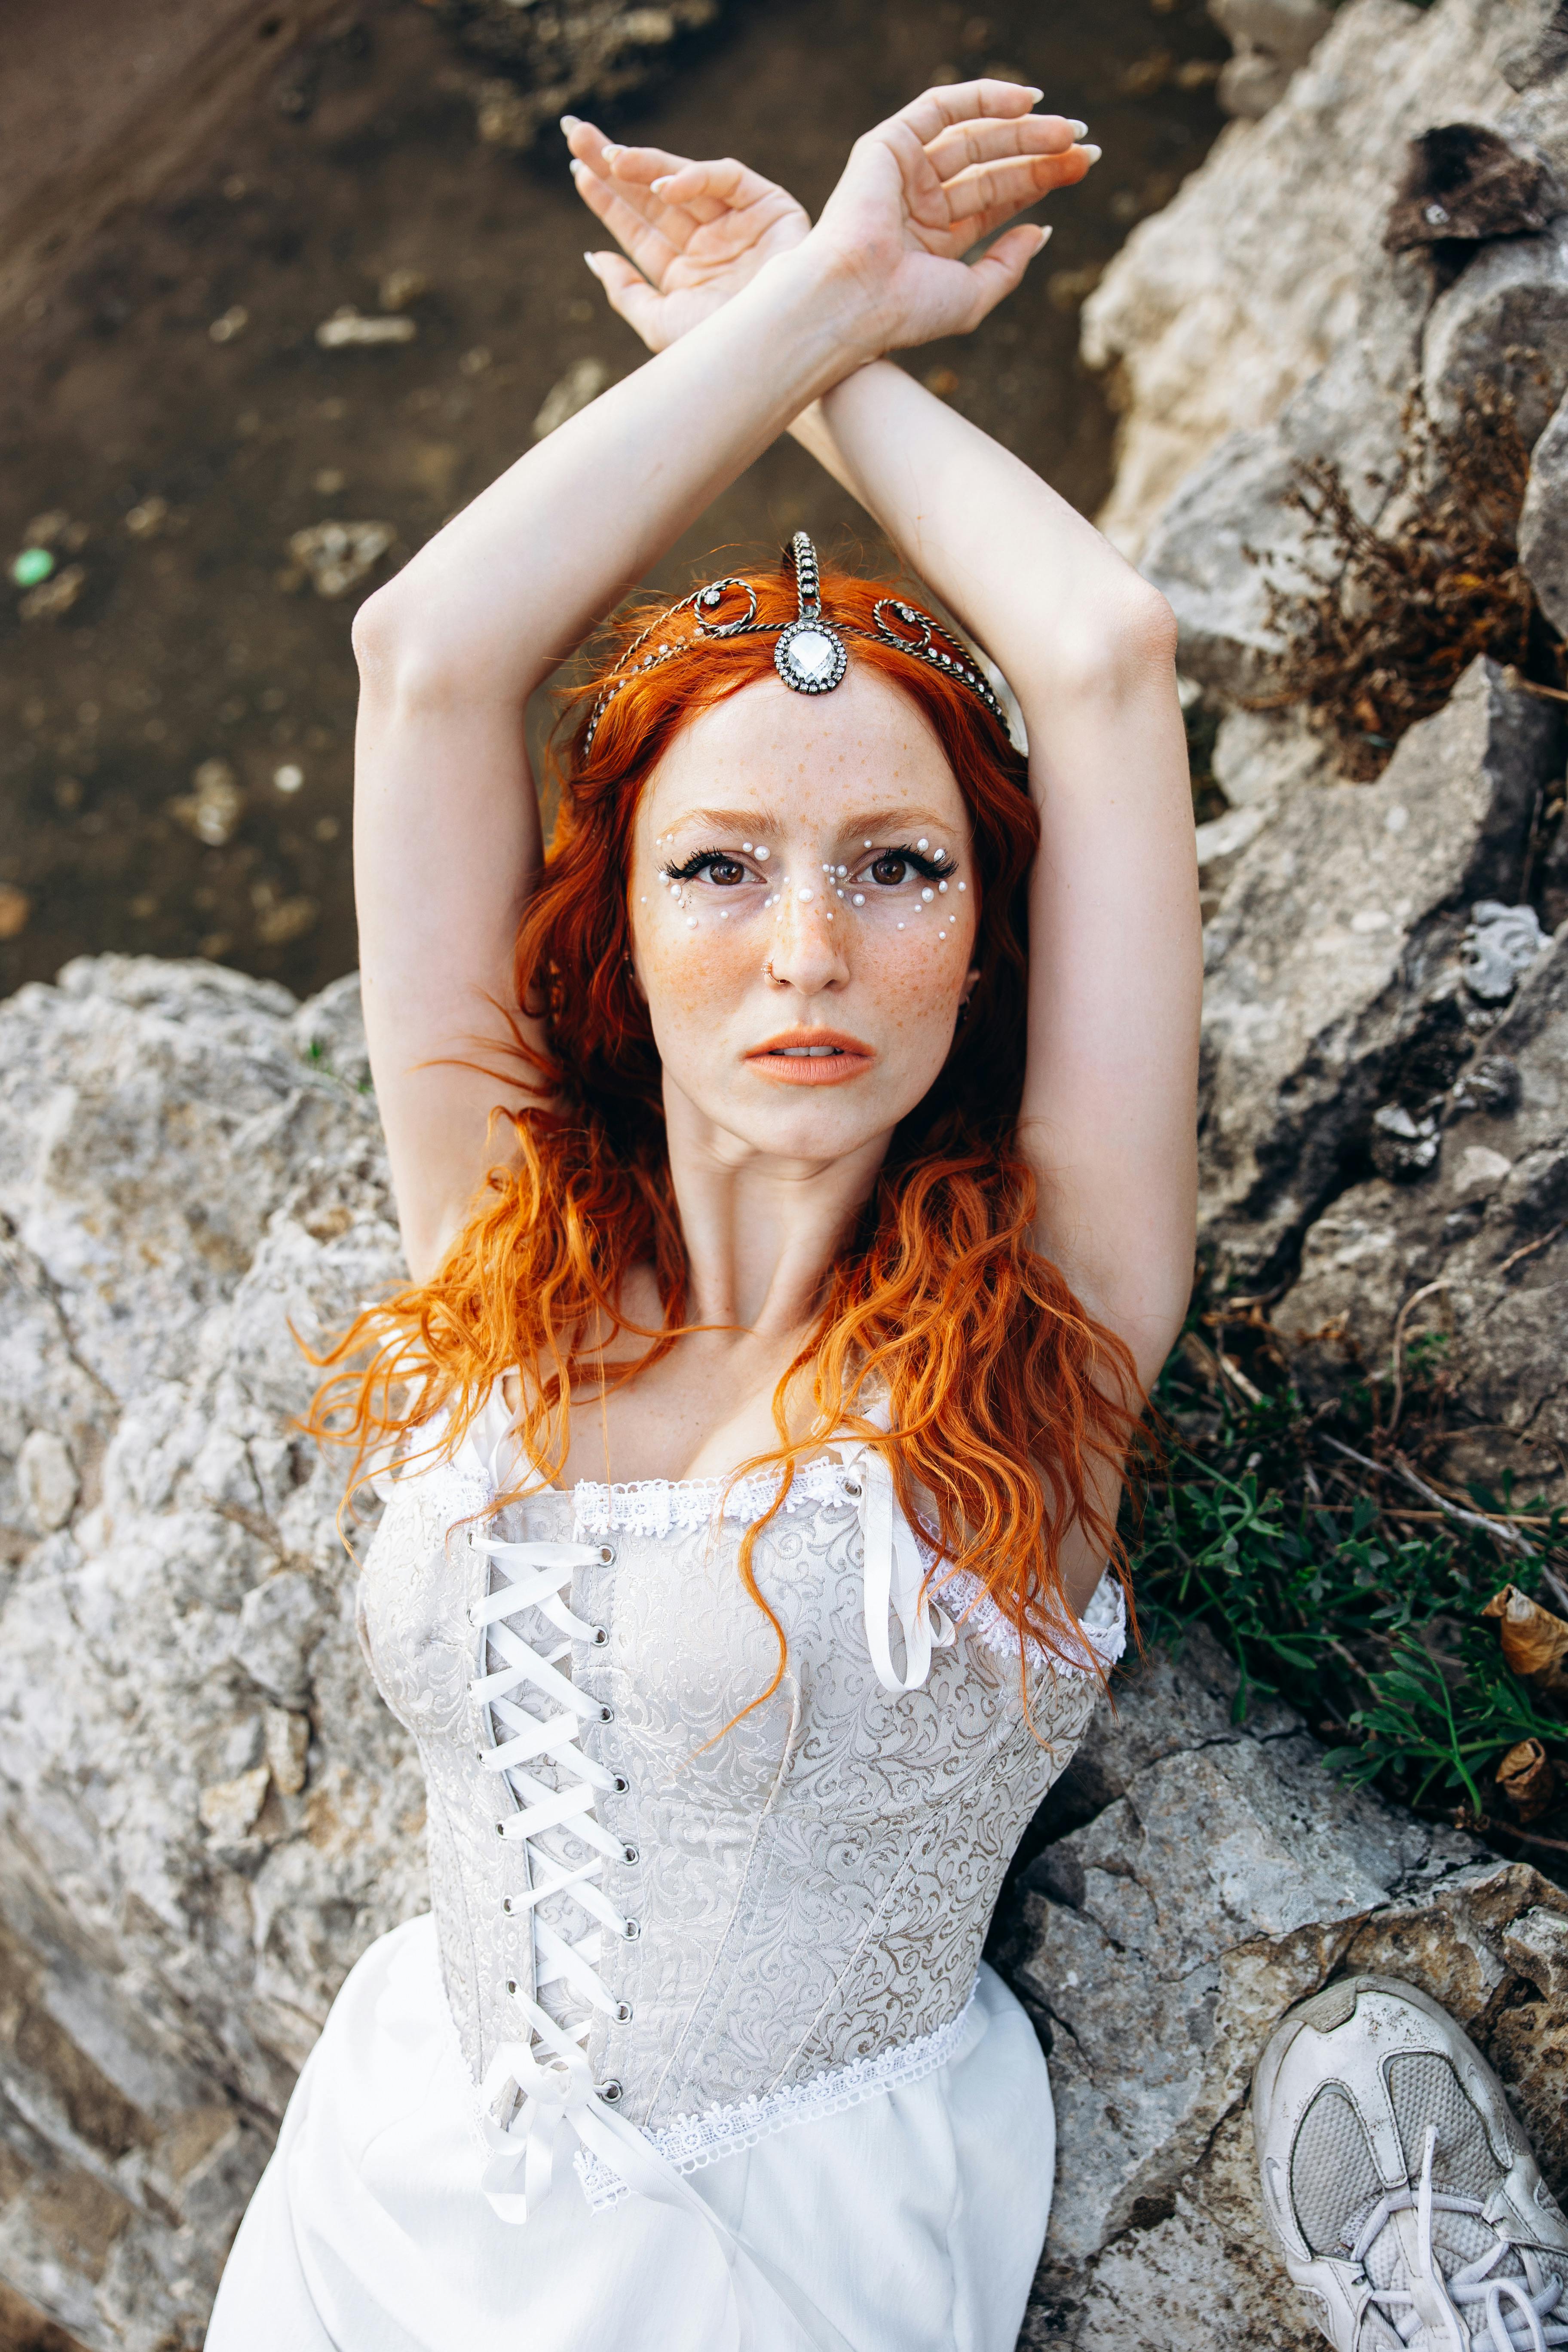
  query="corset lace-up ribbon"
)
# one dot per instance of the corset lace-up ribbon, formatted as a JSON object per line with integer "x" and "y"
{"x": 544, "y": 2069}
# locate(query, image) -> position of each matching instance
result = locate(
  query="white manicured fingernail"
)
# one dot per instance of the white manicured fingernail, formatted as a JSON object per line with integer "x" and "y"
{"x": 592, "y": 261}
{"x": 1093, "y": 154}
{"x": 611, "y": 150}
{"x": 570, "y": 122}
{"x": 1078, "y": 130}
{"x": 1037, "y": 95}
{"x": 662, "y": 183}
{"x": 577, "y": 168}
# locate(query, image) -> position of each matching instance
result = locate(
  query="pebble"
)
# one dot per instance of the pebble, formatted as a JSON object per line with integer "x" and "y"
{"x": 55, "y": 596}
{"x": 46, "y": 1474}
{"x": 287, "y": 1739}
{"x": 335, "y": 556}
{"x": 228, "y": 1808}
{"x": 214, "y": 805}
{"x": 401, "y": 287}
{"x": 583, "y": 380}
{"x": 33, "y": 565}
{"x": 147, "y": 519}
{"x": 346, "y": 330}
{"x": 281, "y": 920}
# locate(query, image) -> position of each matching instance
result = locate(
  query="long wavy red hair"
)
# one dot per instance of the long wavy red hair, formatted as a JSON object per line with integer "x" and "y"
{"x": 1003, "y": 1395}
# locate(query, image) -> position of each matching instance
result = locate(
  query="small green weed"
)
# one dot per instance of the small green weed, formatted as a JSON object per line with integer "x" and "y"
{"x": 1337, "y": 1589}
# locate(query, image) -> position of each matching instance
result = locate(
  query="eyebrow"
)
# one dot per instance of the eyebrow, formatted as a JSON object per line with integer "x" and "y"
{"x": 902, "y": 818}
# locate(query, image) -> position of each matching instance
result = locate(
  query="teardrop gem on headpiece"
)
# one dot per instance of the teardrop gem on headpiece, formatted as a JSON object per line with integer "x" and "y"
{"x": 810, "y": 654}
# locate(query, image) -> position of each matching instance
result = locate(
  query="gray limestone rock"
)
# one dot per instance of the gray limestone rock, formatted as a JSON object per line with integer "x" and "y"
{"x": 1226, "y": 1877}
{"x": 1333, "y": 977}
{"x": 1271, "y": 39}
{"x": 1220, "y": 308}
{"x": 1490, "y": 1228}
{"x": 1503, "y": 323}
{"x": 1543, "y": 524}
{"x": 180, "y": 1176}
{"x": 1231, "y": 531}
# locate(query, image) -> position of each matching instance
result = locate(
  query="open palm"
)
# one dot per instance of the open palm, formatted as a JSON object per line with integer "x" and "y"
{"x": 694, "y": 233}
{"x": 917, "y": 194}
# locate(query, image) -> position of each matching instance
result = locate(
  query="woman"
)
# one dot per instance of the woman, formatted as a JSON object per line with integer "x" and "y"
{"x": 764, "y": 1387}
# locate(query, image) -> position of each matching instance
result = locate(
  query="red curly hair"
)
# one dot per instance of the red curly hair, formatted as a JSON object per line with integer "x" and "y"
{"x": 1005, "y": 1395}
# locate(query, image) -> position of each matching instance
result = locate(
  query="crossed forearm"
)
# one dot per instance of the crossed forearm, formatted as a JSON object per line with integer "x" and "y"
{"x": 501, "y": 595}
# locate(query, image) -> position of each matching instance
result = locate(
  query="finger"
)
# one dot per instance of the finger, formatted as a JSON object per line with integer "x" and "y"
{"x": 710, "y": 189}
{"x": 1005, "y": 188}
{"x": 963, "y": 101}
{"x": 629, "y": 296}
{"x": 983, "y": 141}
{"x": 643, "y": 165}
{"x": 993, "y": 277}
{"x": 628, "y": 170}
{"x": 648, "y": 240}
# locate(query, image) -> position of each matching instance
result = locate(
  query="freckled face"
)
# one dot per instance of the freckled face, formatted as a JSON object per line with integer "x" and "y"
{"x": 824, "y": 836}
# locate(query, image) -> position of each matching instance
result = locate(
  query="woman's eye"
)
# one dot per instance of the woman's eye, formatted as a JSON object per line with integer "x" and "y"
{"x": 891, "y": 870}
{"x": 727, "y": 871}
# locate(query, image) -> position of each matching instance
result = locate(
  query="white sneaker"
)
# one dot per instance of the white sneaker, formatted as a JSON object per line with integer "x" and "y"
{"x": 1398, "y": 2185}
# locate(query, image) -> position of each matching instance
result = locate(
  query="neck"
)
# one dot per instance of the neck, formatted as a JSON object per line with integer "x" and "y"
{"x": 760, "y": 1232}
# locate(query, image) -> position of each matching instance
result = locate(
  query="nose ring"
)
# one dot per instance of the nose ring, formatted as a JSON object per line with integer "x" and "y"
{"x": 769, "y": 973}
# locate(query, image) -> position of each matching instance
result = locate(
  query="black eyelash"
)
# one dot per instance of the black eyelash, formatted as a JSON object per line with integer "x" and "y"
{"x": 693, "y": 865}
{"x": 935, "y": 869}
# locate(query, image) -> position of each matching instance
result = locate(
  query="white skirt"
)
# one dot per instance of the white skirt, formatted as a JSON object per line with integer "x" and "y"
{"x": 910, "y": 2223}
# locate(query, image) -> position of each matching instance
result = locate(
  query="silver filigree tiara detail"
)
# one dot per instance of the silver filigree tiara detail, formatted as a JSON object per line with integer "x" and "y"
{"x": 810, "y": 654}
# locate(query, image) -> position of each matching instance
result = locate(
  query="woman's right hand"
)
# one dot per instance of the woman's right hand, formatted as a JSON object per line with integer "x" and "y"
{"x": 917, "y": 194}
{"x": 696, "y": 233}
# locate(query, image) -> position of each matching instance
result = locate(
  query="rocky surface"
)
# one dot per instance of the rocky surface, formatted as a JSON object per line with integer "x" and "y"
{"x": 1479, "y": 1237}
{"x": 1369, "y": 1130}
{"x": 1221, "y": 1876}
{"x": 207, "y": 1815}
{"x": 1335, "y": 984}
{"x": 1270, "y": 262}
{"x": 207, "y": 1811}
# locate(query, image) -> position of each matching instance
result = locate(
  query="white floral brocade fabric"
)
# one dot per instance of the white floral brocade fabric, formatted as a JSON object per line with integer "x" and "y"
{"x": 811, "y": 1873}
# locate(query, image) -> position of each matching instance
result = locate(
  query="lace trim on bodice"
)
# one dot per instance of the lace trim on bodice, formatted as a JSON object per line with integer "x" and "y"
{"x": 660, "y": 1506}
{"x": 656, "y": 1507}
{"x": 486, "y": 1460}
{"x": 692, "y": 2141}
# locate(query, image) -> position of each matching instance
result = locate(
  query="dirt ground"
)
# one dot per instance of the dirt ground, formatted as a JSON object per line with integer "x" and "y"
{"x": 176, "y": 723}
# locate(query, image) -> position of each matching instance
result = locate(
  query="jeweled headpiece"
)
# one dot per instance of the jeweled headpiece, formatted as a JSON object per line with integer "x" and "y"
{"x": 810, "y": 654}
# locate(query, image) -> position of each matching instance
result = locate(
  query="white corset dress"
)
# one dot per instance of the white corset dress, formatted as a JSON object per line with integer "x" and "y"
{"x": 707, "y": 1961}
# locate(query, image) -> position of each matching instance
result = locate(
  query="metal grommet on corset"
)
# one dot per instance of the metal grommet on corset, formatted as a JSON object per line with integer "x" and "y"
{"x": 610, "y": 2093}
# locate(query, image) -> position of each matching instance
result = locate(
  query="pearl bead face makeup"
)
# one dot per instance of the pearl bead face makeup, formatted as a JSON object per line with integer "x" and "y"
{"x": 825, "y": 839}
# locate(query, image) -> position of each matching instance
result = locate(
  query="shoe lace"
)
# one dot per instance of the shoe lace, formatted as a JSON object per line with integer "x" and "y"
{"x": 1476, "y": 2308}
